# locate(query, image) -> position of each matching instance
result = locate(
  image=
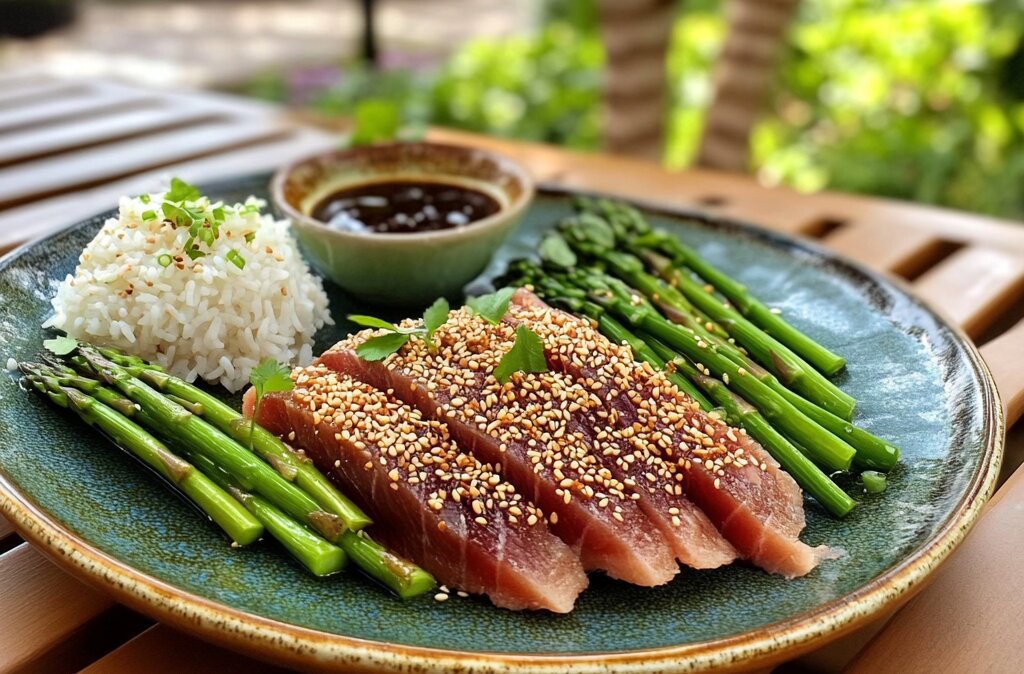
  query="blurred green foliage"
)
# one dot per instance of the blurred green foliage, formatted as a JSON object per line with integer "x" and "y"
{"x": 912, "y": 99}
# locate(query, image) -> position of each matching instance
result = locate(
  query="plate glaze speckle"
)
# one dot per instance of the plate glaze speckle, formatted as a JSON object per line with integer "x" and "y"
{"x": 919, "y": 383}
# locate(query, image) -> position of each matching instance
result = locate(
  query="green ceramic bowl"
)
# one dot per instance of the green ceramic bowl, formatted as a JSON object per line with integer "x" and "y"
{"x": 919, "y": 383}
{"x": 402, "y": 269}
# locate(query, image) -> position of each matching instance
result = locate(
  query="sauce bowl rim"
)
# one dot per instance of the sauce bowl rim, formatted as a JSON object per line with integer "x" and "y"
{"x": 505, "y": 213}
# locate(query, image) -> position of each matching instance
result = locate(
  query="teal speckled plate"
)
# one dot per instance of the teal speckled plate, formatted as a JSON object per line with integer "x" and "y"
{"x": 920, "y": 383}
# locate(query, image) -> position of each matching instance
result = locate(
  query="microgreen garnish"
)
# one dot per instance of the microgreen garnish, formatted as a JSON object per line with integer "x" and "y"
{"x": 526, "y": 355}
{"x": 268, "y": 377}
{"x": 181, "y": 191}
{"x": 185, "y": 207}
{"x": 492, "y": 307}
{"x": 235, "y": 258}
{"x": 60, "y": 346}
{"x": 382, "y": 346}
{"x": 145, "y": 198}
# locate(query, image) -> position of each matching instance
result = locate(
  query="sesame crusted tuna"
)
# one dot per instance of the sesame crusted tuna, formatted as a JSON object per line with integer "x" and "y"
{"x": 431, "y": 502}
{"x": 530, "y": 426}
{"x": 572, "y": 346}
{"x": 756, "y": 506}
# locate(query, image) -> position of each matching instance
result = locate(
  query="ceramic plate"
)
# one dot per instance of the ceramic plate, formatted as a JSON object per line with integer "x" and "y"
{"x": 918, "y": 380}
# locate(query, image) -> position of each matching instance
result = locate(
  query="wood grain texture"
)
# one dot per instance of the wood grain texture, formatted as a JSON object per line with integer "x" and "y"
{"x": 81, "y": 133}
{"x": 38, "y": 218}
{"x": 6, "y": 530}
{"x": 162, "y": 650}
{"x": 1005, "y": 357}
{"x": 83, "y": 104}
{"x": 27, "y": 182}
{"x": 41, "y": 610}
{"x": 893, "y": 248}
{"x": 974, "y": 286}
{"x": 39, "y": 91}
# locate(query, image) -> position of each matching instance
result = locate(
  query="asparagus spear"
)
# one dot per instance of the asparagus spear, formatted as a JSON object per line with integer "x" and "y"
{"x": 168, "y": 418}
{"x": 768, "y": 351}
{"x": 316, "y": 554}
{"x": 592, "y": 236}
{"x": 235, "y": 520}
{"x": 401, "y": 576}
{"x": 642, "y": 235}
{"x": 264, "y": 443}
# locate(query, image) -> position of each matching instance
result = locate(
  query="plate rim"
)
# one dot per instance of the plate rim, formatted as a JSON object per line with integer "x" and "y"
{"x": 301, "y": 646}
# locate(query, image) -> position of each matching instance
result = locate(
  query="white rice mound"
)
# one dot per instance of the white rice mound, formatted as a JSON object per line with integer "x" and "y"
{"x": 205, "y": 318}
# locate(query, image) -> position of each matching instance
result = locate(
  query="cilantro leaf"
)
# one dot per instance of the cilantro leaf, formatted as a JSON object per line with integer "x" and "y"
{"x": 60, "y": 346}
{"x": 372, "y": 322}
{"x": 382, "y": 346}
{"x": 555, "y": 251}
{"x": 526, "y": 355}
{"x": 434, "y": 317}
{"x": 270, "y": 376}
{"x": 181, "y": 191}
{"x": 493, "y": 306}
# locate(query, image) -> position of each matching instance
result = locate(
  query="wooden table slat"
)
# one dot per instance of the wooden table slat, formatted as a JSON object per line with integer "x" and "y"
{"x": 46, "y": 90}
{"x": 84, "y": 106}
{"x": 117, "y": 125}
{"x": 162, "y": 650}
{"x": 41, "y": 608}
{"x": 974, "y": 286}
{"x": 6, "y": 530}
{"x": 39, "y": 218}
{"x": 892, "y": 248}
{"x": 36, "y": 179}
{"x": 1005, "y": 357}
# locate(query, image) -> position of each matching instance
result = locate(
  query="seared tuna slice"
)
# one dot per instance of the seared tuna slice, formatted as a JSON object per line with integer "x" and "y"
{"x": 572, "y": 346}
{"x": 529, "y": 429}
{"x": 756, "y": 506}
{"x": 430, "y": 501}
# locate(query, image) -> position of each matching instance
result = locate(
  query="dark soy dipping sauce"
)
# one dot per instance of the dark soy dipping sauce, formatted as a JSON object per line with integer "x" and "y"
{"x": 404, "y": 206}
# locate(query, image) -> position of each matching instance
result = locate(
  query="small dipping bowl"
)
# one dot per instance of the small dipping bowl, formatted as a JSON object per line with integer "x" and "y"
{"x": 408, "y": 268}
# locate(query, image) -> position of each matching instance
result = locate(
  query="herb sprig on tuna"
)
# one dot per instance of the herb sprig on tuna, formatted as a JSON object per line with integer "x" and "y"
{"x": 395, "y": 337}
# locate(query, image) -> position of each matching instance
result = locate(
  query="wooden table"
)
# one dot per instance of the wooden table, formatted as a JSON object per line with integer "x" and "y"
{"x": 69, "y": 149}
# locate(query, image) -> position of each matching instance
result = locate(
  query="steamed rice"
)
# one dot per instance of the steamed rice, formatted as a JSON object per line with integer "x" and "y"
{"x": 205, "y": 318}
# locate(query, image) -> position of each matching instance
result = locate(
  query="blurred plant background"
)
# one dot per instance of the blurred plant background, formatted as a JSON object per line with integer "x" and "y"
{"x": 911, "y": 99}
